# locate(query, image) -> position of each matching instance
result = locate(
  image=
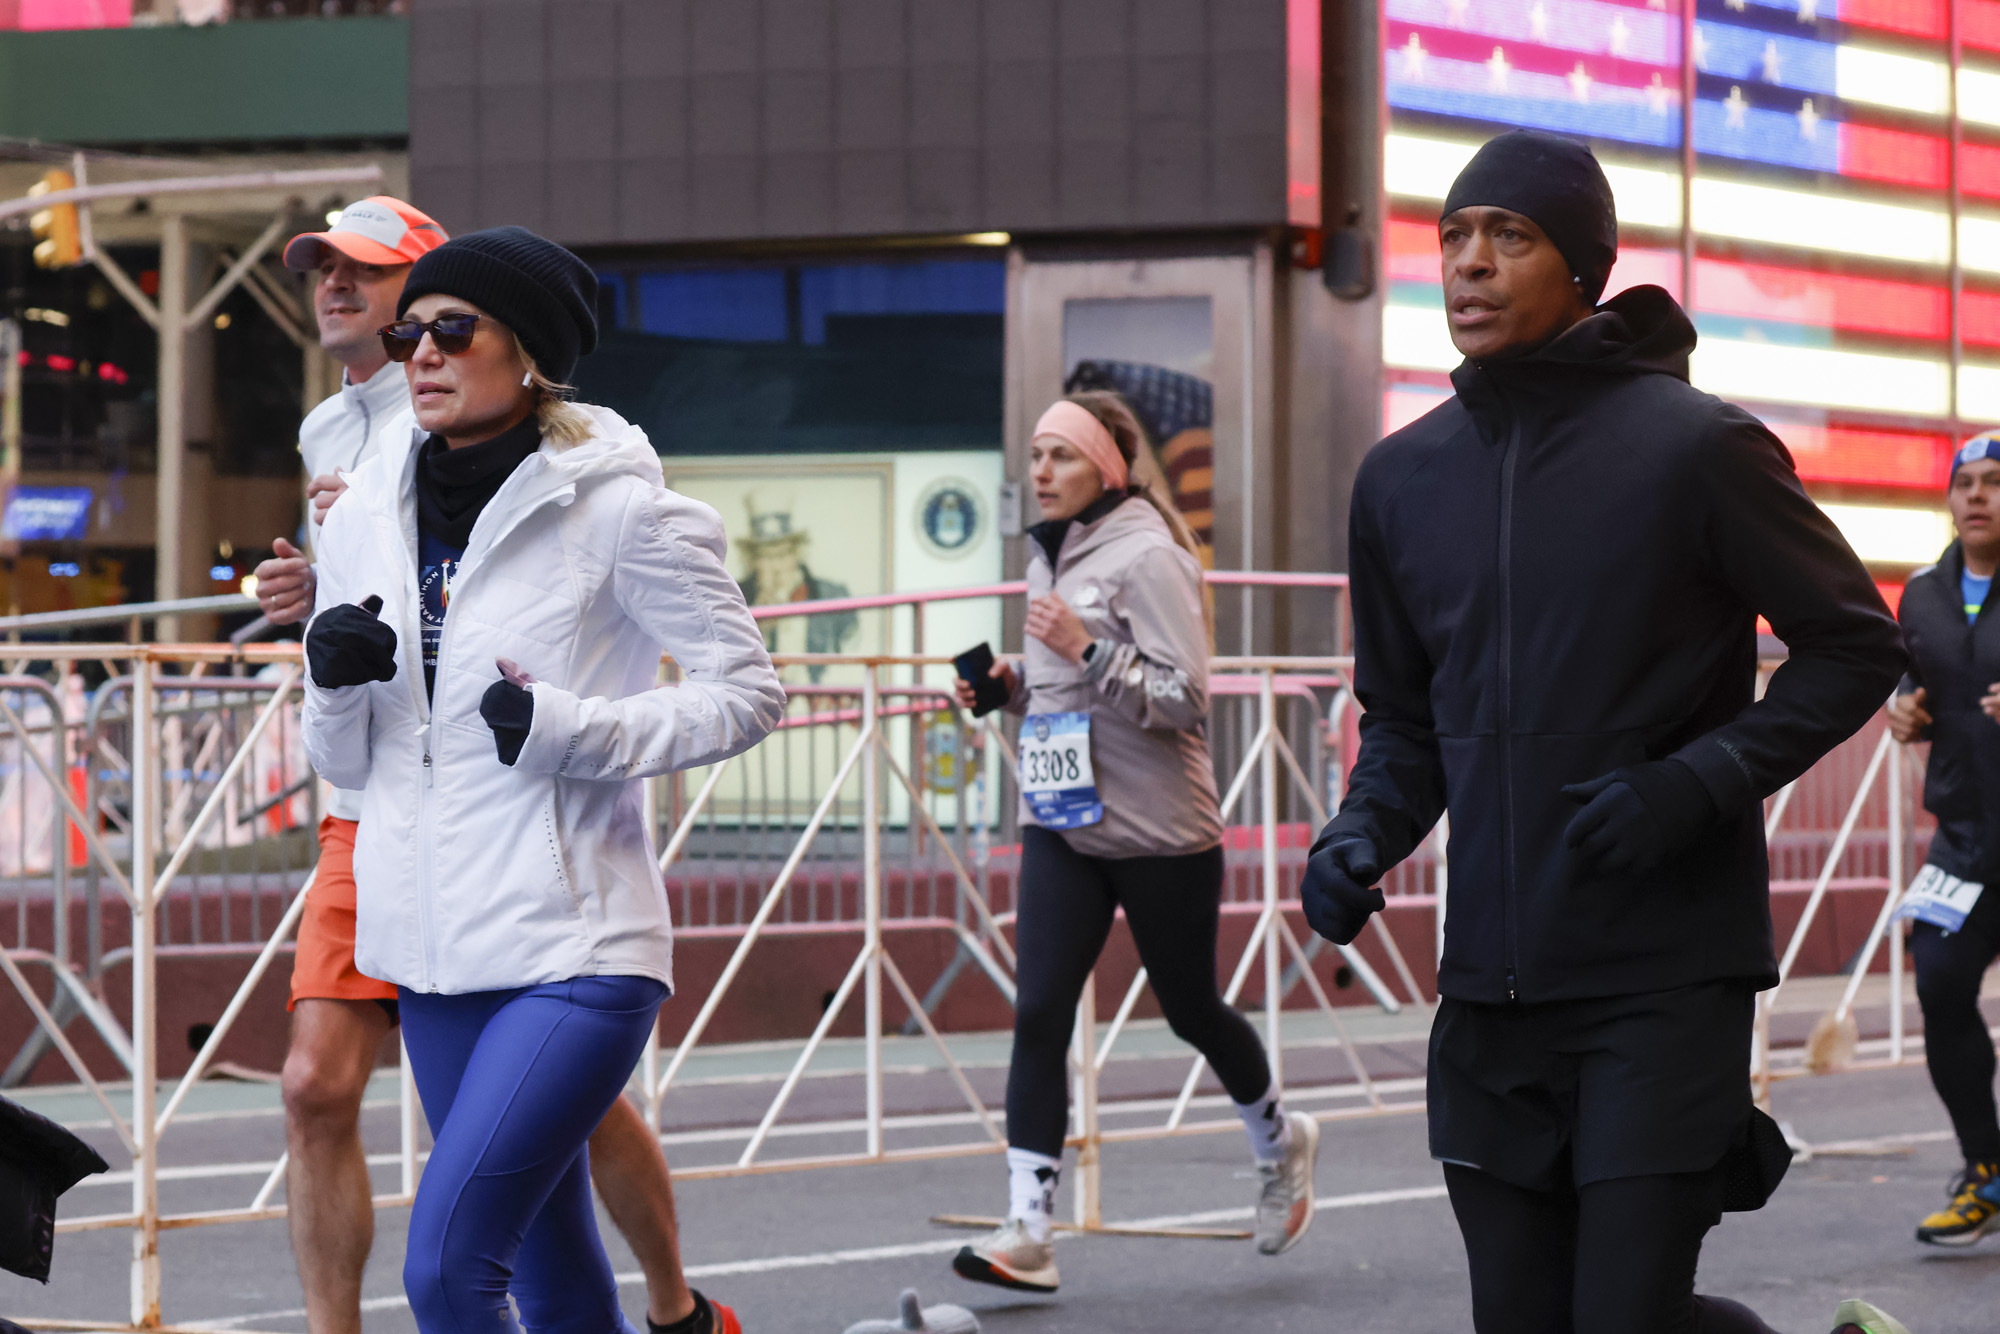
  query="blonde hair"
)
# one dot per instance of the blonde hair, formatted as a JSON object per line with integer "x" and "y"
{"x": 1148, "y": 479}
{"x": 562, "y": 422}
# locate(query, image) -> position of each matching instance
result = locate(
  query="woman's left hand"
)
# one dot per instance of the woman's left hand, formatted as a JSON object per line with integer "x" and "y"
{"x": 1051, "y": 621}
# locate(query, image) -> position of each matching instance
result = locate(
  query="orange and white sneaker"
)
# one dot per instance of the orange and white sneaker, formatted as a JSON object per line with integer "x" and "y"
{"x": 1285, "y": 1208}
{"x": 1009, "y": 1258}
{"x": 709, "y": 1317}
{"x": 721, "y": 1319}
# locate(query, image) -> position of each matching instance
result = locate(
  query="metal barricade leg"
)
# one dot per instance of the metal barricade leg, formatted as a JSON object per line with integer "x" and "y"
{"x": 145, "y": 1022}
{"x": 871, "y": 894}
{"x": 1089, "y": 1190}
{"x": 1267, "y": 766}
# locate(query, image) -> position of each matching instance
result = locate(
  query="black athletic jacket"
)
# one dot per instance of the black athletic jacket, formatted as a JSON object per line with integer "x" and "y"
{"x": 1557, "y": 573}
{"x": 1956, "y": 663}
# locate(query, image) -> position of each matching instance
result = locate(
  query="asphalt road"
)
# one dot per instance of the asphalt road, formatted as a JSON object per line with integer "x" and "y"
{"x": 813, "y": 1251}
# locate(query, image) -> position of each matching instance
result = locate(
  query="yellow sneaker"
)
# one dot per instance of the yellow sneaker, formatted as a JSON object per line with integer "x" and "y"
{"x": 1974, "y": 1208}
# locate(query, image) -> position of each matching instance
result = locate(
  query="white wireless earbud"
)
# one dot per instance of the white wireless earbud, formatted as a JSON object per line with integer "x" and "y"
{"x": 527, "y": 378}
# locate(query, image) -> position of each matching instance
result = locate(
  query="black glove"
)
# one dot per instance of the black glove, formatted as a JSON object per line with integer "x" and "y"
{"x": 1339, "y": 891}
{"x": 510, "y": 711}
{"x": 347, "y": 646}
{"x": 1638, "y": 818}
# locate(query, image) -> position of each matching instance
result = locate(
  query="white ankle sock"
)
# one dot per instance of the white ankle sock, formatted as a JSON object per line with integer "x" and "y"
{"x": 1264, "y": 1122}
{"x": 1031, "y": 1190}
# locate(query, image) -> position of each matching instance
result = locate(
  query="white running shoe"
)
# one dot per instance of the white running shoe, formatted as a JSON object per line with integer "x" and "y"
{"x": 1007, "y": 1258}
{"x": 1285, "y": 1209}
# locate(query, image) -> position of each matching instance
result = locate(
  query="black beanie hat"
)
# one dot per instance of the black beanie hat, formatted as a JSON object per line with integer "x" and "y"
{"x": 546, "y": 295}
{"x": 1553, "y": 182}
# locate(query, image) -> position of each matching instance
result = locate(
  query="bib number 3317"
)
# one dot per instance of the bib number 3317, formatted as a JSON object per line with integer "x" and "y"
{"x": 1940, "y": 899}
{"x": 1056, "y": 777}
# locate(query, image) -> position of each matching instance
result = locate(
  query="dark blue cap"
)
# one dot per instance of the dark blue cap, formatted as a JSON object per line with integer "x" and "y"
{"x": 1983, "y": 446}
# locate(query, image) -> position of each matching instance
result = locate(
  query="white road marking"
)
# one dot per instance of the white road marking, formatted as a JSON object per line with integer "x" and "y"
{"x": 862, "y": 1255}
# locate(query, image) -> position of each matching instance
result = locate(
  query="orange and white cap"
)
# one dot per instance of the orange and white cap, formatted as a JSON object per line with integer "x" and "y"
{"x": 378, "y": 230}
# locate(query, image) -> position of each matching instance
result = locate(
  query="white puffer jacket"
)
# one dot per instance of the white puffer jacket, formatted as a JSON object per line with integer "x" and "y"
{"x": 476, "y": 876}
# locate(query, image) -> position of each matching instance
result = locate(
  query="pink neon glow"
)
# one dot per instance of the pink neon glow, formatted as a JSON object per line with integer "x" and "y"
{"x": 1230, "y": 578}
{"x": 1413, "y": 256}
{"x": 46, "y": 15}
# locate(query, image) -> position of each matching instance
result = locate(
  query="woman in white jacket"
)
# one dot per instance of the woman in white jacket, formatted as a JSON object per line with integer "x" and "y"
{"x": 496, "y": 600}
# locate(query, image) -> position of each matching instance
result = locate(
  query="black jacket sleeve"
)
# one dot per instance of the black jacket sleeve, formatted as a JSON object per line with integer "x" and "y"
{"x": 1783, "y": 557}
{"x": 1913, "y": 673}
{"x": 1396, "y": 791}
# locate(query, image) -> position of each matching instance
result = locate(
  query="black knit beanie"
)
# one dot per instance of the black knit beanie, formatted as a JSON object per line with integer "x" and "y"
{"x": 546, "y": 295}
{"x": 1553, "y": 182}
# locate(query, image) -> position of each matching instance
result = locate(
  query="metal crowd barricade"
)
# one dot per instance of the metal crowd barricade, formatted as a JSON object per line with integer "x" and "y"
{"x": 1873, "y": 847}
{"x": 873, "y": 759}
{"x": 178, "y": 776}
{"x": 900, "y": 823}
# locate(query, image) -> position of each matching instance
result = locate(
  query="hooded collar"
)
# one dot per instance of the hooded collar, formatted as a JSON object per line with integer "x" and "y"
{"x": 615, "y": 448}
{"x": 1950, "y": 571}
{"x": 1641, "y": 331}
{"x": 1049, "y": 533}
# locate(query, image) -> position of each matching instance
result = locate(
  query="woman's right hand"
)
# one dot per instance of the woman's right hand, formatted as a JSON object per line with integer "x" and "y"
{"x": 1908, "y": 719}
{"x": 349, "y": 645}
{"x": 1000, "y": 671}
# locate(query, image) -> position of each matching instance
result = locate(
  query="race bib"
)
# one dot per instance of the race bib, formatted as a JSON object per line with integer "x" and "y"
{"x": 1056, "y": 777}
{"x": 1940, "y": 899}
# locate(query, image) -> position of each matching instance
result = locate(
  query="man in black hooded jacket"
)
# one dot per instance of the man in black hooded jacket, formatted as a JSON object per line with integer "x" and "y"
{"x": 1556, "y": 577}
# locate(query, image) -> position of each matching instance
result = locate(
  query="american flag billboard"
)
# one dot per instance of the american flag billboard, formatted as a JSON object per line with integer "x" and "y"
{"x": 1844, "y": 272}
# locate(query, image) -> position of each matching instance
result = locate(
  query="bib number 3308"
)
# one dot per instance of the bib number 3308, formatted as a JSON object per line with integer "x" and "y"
{"x": 1056, "y": 777}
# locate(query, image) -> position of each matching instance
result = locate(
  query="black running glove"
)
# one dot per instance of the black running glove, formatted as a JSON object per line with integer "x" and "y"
{"x": 1339, "y": 891}
{"x": 510, "y": 711}
{"x": 1639, "y": 817}
{"x": 348, "y": 646}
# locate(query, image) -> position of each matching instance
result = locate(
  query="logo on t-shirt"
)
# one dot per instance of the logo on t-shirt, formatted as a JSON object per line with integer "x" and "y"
{"x": 439, "y": 564}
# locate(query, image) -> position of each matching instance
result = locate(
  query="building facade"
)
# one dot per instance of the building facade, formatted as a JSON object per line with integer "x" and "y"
{"x": 849, "y": 249}
{"x": 875, "y": 238}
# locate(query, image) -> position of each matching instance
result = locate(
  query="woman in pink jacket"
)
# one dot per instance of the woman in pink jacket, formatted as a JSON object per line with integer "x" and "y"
{"x": 1119, "y": 810}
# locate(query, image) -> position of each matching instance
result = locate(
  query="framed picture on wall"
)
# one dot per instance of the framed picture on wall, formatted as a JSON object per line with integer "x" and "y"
{"x": 803, "y": 531}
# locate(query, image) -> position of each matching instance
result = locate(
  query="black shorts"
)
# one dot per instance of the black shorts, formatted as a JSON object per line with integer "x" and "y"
{"x": 1550, "y": 1097}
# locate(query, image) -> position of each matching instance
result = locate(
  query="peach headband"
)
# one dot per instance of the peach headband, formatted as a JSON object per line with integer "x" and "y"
{"x": 1067, "y": 421}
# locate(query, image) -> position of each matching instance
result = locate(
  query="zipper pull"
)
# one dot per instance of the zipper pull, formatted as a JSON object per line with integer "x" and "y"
{"x": 427, "y": 768}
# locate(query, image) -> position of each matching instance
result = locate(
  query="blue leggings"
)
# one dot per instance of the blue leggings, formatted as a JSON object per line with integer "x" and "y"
{"x": 504, "y": 1204}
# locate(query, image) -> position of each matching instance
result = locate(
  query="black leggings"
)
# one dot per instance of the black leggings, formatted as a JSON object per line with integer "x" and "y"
{"x": 1066, "y": 902}
{"x": 1614, "y": 1257}
{"x": 1957, "y": 1047}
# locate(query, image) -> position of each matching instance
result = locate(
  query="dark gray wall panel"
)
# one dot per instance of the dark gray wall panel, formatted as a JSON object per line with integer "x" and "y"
{"x": 660, "y": 121}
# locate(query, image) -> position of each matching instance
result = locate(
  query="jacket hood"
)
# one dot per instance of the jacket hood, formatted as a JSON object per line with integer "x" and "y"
{"x": 1641, "y": 331}
{"x": 615, "y": 447}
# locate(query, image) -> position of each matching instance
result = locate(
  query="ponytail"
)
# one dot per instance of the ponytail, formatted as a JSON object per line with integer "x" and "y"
{"x": 1148, "y": 480}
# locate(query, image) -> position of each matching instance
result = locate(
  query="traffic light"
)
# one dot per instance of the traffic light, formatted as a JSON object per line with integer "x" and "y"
{"x": 58, "y": 239}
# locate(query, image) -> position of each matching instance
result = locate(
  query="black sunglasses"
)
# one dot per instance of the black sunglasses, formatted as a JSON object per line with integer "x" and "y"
{"x": 452, "y": 334}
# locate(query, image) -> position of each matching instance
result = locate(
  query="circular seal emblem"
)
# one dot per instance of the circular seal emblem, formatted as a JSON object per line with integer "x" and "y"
{"x": 951, "y": 520}
{"x": 1041, "y": 729}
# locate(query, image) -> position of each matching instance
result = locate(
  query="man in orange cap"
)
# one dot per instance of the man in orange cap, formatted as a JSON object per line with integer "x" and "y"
{"x": 339, "y": 1016}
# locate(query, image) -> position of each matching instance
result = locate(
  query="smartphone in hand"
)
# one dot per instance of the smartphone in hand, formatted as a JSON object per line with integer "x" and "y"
{"x": 975, "y": 668}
